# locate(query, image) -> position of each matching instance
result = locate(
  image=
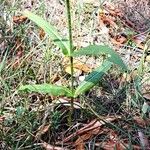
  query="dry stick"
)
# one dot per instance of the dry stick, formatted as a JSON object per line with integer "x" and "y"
{"x": 70, "y": 54}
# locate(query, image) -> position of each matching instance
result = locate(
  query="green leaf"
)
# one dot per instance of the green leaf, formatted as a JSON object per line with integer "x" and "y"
{"x": 63, "y": 44}
{"x": 47, "y": 89}
{"x": 93, "y": 78}
{"x": 96, "y": 50}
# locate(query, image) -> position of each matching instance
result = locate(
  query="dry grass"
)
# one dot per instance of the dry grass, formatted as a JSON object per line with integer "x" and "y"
{"x": 26, "y": 114}
{"x": 137, "y": 12}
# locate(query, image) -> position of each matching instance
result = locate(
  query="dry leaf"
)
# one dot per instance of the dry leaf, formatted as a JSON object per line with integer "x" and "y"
{"x": 19, "y": 19}
{"x": 82, "y": 66}
{"x": 119, "y": 40}
{"x": 117, "y": 146}
{"x": 41, "y": 34}
{"x": 115, "y": 143}
{"x": 55, "y": 78}
{"x": 110, "y": 145}
{"x": 107, "y": 21}
{"x": 78, "y": 67}
{"x": 51, "y": 147}
{"x": 77, "y": 72}
{"x": 79, "y": 144}
{"x": 94, "y": 127}
{"x": 87, "y": 136}
{"x": 117, "y": 44}
{"x": 140, "y": 121}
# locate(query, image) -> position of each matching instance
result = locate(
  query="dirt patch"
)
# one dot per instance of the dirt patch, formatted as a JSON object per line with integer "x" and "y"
{"x": 137, "y": 12}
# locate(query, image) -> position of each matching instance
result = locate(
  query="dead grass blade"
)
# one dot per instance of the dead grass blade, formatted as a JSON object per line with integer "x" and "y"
{"x": 51, "y": 147}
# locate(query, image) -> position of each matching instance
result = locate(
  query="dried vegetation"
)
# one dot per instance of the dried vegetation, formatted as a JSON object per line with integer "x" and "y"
{"x": 113, "y": 115}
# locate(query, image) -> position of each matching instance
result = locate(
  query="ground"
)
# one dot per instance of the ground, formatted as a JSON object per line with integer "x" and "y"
{"x": 112, "y": 115}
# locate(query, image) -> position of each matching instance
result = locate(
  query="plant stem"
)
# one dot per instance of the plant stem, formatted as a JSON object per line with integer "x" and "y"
{"x": 70, "y": 53}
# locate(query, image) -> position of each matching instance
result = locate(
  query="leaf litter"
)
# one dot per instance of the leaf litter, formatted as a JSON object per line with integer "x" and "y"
{"x": 94, "y": 128}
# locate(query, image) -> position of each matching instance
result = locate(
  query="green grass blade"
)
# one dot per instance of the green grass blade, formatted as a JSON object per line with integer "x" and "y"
{"x": 47, "y": 89}
{"x": 93, "y": 78}
{"x": 96, "y": 50}
{"x": 63, "y": 44}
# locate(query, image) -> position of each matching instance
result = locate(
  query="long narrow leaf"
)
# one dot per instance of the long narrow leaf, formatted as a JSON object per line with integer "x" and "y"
{"x": 96, "y": 50}
{"x": 63, "y": 44}
{"x": 93, "y": 78}
{"x": 47, "y": 89}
